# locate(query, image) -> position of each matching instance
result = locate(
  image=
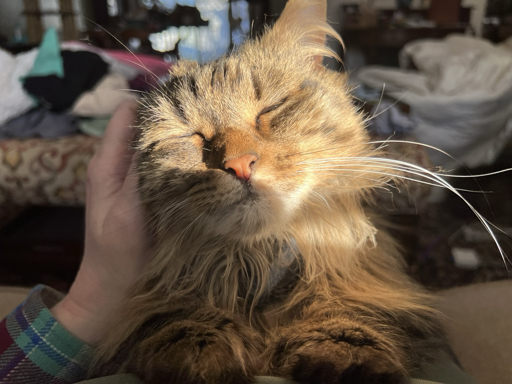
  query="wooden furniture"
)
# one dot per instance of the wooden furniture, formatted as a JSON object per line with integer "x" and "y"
{"x": 34, "y": 16}
{"x": 444, "y": 11}
{"x": 380, "y": 45}
{"x": 34, "y": 24}
{"x": 381, "y": 42}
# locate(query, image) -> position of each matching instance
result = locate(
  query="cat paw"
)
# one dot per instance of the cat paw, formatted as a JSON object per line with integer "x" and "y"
{"x": 319, "y": 354}
{"x": 209, "y": 348}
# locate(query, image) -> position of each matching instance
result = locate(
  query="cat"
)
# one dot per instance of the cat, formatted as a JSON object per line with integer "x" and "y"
{"x": 256, "y": 177}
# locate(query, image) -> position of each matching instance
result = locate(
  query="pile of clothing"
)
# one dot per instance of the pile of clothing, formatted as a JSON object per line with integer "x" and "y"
{"x": 61, "y": 89}
{"x": 460, "y": 97}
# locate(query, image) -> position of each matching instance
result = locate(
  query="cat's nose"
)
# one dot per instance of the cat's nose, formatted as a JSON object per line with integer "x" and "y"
{"x": 242, "y": 166}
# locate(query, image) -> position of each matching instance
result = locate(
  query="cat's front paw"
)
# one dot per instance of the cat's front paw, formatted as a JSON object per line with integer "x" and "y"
{"x": 209, "y": 348}
{"x": 334, "y": 354}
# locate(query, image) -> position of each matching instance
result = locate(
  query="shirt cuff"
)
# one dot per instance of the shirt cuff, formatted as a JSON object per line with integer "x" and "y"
{"x": 34, "y": 347}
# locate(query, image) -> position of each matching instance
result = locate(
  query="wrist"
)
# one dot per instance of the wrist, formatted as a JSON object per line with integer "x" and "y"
{"x": 85, "y": 326}
{"x": 86, "y": 310}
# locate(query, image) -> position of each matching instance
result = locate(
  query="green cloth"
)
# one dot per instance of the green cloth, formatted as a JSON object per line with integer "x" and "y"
{"x": 48, "y": 60}
{"x": 94, "y": 127}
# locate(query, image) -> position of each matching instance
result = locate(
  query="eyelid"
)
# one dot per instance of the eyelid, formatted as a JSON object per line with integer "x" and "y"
{"x": 272, "y": 108}
{"x": 202, "y": 136}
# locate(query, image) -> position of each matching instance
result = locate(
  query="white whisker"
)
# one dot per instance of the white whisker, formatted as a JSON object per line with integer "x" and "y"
{"x": 385, "y": 110}
{"x": 377, "y": 164}
{"x": 323, "y": 199}
{"x": 424, "y": 173}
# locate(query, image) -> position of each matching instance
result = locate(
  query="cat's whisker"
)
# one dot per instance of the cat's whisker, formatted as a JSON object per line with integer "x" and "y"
{"x": 404, "y": 164}
{"x": 440, "y": 151}
{"x": 181, "y": 236}
{"x": 375, "y": 183}
{"x": 323, "y": 199}
{"x": 444, "y": 153}
{"x": 172, "y": 209}
{"x": 345, "y": 146}
{"x": 98, "y": 91}
{"x": 392, "y": 175}
{"x": 365, "y": 121}
{"x": 318, "y": 150}
{"x": 384, "y": 143}
{"x": 177, "y": 219}
{"x": 441, "y": 181}
{"x": 402, "y": 168}
{"x": 380, "y": 100}
{"x": 377, "y": 164}
{"x": 164, "y": 216}
{"x": 124, "y": 46}
{"x": 150, "y": 219}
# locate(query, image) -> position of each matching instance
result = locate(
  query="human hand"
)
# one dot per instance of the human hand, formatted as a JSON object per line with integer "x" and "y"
{"x": 117, "y": 247}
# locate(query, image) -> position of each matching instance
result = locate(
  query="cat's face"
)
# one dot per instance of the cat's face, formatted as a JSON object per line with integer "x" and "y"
{"x": 224, "y": 144}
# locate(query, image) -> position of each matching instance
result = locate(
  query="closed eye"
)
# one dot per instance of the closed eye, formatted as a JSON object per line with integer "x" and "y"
{"x": 206, "y": 143}
{"x": 266, "y": 110}
{"x": 201, "y": 136}
{"x": 187, "y": 136}
{"x": 270, "y": 109}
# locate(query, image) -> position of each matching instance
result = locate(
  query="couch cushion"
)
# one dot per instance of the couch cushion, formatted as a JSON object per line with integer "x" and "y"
{"x": 479, "y": 321}
{"x": 10, "y": 297}
{"x": 45, "y": 171}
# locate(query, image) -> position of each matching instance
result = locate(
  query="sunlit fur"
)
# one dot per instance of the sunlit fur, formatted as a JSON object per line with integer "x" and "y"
{"x": 217, "y": 238}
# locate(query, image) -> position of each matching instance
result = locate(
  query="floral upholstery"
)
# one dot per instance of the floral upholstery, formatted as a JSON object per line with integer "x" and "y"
{"x": 45, "y": 171}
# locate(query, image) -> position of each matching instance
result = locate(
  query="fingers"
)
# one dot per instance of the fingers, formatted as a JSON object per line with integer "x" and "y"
{"x": 114, "y": 158}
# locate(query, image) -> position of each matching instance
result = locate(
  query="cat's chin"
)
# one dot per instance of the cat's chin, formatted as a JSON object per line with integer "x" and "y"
{"x": 248, "y": 222}
{"x": 254, "y": 215}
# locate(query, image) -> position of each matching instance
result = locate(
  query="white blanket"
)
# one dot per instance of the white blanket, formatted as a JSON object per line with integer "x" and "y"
{"x": 460, "y": 97}
{"x": 13, "y": 99}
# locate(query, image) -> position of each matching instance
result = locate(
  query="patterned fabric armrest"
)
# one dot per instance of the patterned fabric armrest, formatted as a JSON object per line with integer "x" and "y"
{"x": 45, "y": 171}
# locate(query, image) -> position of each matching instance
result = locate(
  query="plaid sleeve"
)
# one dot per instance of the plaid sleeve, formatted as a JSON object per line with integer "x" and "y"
{"x": 35, "y": 348}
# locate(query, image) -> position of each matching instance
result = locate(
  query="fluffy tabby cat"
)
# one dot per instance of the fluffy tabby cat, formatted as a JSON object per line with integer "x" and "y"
{"x": 269, "y": 262}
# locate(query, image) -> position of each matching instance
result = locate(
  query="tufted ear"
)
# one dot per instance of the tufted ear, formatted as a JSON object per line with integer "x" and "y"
{"x": 305, "y": 22}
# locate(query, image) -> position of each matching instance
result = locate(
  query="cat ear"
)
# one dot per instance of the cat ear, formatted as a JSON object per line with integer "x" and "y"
{"x": 305, "y": 22}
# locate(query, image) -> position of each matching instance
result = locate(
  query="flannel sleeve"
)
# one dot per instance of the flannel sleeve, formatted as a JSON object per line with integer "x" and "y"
{"x": 35, "y": 348}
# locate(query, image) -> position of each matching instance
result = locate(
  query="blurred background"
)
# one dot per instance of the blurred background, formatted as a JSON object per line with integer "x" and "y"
{"x": 432, "y": 73}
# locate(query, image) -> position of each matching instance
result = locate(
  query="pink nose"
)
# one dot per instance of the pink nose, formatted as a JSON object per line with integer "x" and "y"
{"x": 242, "y": 166}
